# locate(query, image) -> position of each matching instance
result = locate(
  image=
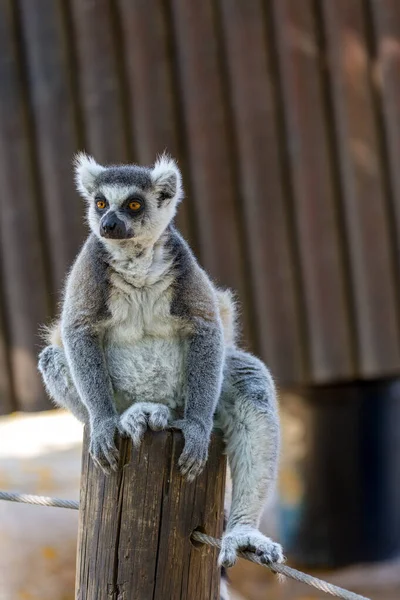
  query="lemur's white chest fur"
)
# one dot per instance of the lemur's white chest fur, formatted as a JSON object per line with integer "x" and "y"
{"x": 144, "y": 344}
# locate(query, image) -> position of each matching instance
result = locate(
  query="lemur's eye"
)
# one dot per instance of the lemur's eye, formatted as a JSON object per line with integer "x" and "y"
{"x": 101, "y": 204}
{"x": 134, "y": 205}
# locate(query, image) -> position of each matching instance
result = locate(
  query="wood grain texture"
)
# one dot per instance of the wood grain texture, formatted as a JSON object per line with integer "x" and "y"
{"x": 364, "y": 202}
{"x": 285, "y": 120}
{"x": 314, "y": 203}
{"x": 255, "y": 116}
{"x": 135, "y": 526}
{"x": 100, "y": 80}
{"x": 386, "y": 20}
{"x": 153, "y": 92}
{"x": 25, "y": 292}
{"x": 56, "y": 136}
{"x": 207, "y": 133}
{"x": 7, "y": 399}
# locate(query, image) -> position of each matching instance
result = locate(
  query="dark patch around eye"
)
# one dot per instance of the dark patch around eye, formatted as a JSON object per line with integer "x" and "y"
{"x": 100, "y": 198}
{"x": 134, "y": 199}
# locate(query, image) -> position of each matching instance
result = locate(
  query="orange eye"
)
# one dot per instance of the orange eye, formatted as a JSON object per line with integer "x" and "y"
{"x": 134, "y": 205}
{"x": 101, "y": 204}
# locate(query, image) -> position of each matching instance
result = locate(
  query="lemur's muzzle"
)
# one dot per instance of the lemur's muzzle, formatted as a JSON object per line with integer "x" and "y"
{"x": 112, "y": 227}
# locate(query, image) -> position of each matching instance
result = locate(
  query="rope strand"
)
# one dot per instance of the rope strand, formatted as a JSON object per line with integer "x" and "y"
{"x": 281, "y": 569}
{"x": 39, "y": 500}
{"x": 197, "y": 536}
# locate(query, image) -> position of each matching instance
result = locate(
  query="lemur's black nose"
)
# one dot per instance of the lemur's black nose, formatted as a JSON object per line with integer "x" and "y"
{"x": 112, "y": 227}
{"x": 109, "y": 227}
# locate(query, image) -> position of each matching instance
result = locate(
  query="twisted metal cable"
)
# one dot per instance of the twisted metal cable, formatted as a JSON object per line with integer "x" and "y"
{"x": 197, "y": 536}
{"x": 319, "y": 584}
{"x": 39, "y": 500}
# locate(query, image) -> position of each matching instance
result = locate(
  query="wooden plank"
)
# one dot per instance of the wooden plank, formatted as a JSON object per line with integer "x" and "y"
{"x": 386, "y": 14}
{"x": 217, "y": 205}
{"x": 99, "y": 80}
{"x": 25, "y": 291}
{"x": 154, "y": 116}
{"x": 314, "y": 202}
{"x": 135, "y": 525}
{"x": 55, "y": 130}
{"x": 261, "y": 178}
{"x": 365, "y": 205}
{"x": 7, "y": 400}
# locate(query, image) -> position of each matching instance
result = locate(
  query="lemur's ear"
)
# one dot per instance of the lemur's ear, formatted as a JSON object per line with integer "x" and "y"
{"x": 167, "y": 180}
{"x": 86, "y": 171}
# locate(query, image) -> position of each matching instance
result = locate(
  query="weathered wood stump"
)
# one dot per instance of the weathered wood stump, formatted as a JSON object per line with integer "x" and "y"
{"x": 135, "y": 525}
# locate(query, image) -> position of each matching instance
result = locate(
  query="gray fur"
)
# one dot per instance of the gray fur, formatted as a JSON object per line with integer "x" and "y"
{"x": 125, "y": 175}
{"x": 60, "y": 387}
{"x": 145, "y": 340}
{"x": 248, "y": 417}
{"x": 194, "y": 300}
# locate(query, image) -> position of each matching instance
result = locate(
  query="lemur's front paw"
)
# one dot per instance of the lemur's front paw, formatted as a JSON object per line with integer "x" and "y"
{"x": 135, "y": 420}
{"x": 195, "y": 452}
{"x": 244, "y": 538}
{"x": 102, "y": 447}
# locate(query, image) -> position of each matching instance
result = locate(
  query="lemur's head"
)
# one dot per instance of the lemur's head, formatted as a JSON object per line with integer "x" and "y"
{"x": 128, "y": 201}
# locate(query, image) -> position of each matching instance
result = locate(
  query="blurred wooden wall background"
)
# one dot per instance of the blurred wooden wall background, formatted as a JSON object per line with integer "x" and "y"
{"x": 285, "y": 118}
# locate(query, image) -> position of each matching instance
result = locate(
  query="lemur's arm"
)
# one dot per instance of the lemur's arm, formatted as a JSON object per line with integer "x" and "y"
{"x": 84, "y": 309}
{"x": 195, "y": 301}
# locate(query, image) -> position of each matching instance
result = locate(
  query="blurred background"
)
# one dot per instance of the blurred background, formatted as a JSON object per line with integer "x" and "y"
{"x": 284, "y": 116}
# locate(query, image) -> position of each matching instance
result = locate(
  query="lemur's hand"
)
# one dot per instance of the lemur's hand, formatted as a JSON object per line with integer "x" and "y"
{"x": 102, "y": 447}
{"x": 195, "y": 452}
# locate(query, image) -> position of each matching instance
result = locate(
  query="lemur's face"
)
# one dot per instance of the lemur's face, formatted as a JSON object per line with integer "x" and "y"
{"x": 129, "y": 202}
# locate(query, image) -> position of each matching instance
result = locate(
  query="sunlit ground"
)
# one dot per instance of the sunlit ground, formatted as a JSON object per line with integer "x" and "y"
{"x": 39, "y": 454}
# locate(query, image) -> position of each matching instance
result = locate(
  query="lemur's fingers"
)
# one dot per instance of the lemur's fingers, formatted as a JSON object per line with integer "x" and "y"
{"x": 112, "y": 450}
{"x": 102, "y": 466}
{"x": 112, "y": 457}
{"x": 193, "y": 459}
{"x": 227, "y": 556}
{"x": 192, "y": 463}
{"x": 134, "y": 423}
{"x": 271, "y": 553}
{"x": 196, "y": 469}
{"x": 105, "y": 455}
{"x": 243, "y": 538}
{"x": 102, "y": 447}
{"x": 159, "y": 418}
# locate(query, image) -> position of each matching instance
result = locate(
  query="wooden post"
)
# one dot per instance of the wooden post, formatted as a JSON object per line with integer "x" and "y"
{"x": 135, "y": 525}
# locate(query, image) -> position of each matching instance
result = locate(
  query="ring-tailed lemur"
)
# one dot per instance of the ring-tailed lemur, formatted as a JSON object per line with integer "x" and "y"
{"x": 146, "y": 340}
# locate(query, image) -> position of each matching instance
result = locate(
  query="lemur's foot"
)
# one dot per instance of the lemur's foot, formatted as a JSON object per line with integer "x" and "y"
{"x": 138, "y": 417}
{"x": 51, "y": 359}
{"x": 243, "y": 538}
{"x": 46, "y": 358}
{"x": 102, "y": 447}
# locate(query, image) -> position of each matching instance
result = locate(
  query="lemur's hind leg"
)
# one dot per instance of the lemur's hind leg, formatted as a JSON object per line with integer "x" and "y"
{"x": 247, "y": 414}
{"x": 56, "y": 376}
